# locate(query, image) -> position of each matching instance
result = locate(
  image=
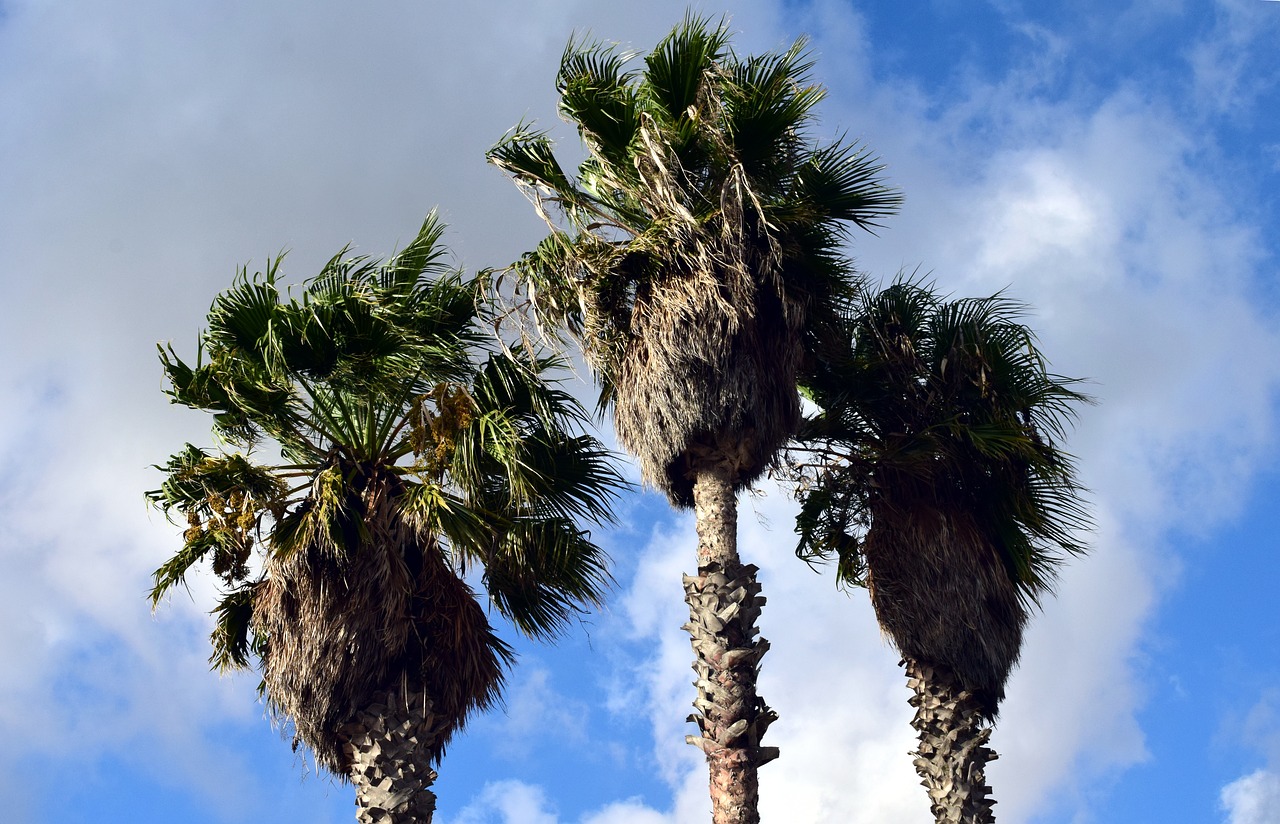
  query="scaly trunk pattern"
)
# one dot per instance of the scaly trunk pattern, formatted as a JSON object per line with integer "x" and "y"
{"x": 724, "y": 602}
{"x": 953, "y": 754}
{"x": 390, "y": 745}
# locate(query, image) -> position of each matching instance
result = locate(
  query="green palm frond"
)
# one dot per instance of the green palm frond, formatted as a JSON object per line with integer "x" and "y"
{"x": 514, "y": 452}
{"x": 549, "y": 273}
{"x": 430, "y": 508}
{"x": 335, "y": 276}
{"x": 676, "y": 70}
{"x": 541, "y": 573}
{"x": 597, "y": 94}
{"x": 528, "y": 155}
{"x": 232, "y": 635}
{"x": 174, "y": 571}
{"x": 419, "y": 265}
{"x": 240, "y": 319}
{"x": 843, "y": 182}
{"x": 222, "y": 499}
{"x": 768, "y": 99}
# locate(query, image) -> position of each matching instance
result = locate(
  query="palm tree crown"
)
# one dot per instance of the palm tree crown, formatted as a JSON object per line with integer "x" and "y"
{"x": 933, "y": 473}
{"x": 404, "y": 461}
{"x": 698, "y": 247}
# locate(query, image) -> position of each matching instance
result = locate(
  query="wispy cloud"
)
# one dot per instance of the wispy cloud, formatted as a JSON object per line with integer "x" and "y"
{"x": 1233, "y": 65}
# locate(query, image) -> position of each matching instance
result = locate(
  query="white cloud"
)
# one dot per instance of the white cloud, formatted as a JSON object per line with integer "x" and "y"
{"x": 1253, "y": 799}
{"x": 627, "y": 812}
{"x": 515, "y": 802}
{"x": 508, "y": 802}
{"x": 1070, "y": 716}
{"x": 535, "y": 714}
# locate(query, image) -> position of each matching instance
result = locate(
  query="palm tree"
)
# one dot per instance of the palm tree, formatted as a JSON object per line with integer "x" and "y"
{"x": 932, "y": 471}
{"x": 693, "y": 257}
{"x": 403, "y": 462}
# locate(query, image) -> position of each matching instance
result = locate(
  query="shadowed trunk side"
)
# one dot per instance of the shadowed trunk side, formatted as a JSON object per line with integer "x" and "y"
{"x": 944, "y": 596}
{"x": 933, "y": 473}
{"x": 941, "y": 590}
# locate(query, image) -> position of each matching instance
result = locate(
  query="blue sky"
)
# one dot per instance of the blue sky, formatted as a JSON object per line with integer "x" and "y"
{"x": 1115, "y": 165}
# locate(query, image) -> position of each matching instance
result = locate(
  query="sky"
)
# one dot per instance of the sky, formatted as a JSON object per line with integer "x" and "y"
{"x": 1115, "y": 165}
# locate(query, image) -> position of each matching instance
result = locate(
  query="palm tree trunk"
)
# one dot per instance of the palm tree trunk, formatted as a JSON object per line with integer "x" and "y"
{"x": 953, "y": 754}
{"x": 390, "y": 745}
{"x": 724, "y": 602}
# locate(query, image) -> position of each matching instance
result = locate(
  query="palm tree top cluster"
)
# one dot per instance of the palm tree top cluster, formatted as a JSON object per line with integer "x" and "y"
{"x": 942, "y": 414}
{"x": 382, "y": 454}
{"x": 697, "y": 244}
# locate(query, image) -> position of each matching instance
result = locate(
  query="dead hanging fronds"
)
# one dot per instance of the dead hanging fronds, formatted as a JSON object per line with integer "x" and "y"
{"x": 943, "y": 595}
{"x": 700, "y": 372}
{"x": 339, "y": 629}
{"x": 930, "y": 472}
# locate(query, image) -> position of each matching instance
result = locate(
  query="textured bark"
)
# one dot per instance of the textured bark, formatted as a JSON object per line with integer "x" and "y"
{"x": 390, "y": 745}
{"x": 724, "y": 602}
{"x": 952, "y": 755}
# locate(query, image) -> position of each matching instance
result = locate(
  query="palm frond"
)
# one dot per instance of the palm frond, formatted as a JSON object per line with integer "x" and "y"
{"x": 542, "y": 571}
{"x": 768, "y": 100}
{"x": 232, "y": 635}
{"x": 240, "y": 319}
{"x": 529, "y": 156}
{"x": 418, "y": 264}
{"x": 597, "y": 94}
{"x": 677, "y": 68}
{"x": 844, "y": 182}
